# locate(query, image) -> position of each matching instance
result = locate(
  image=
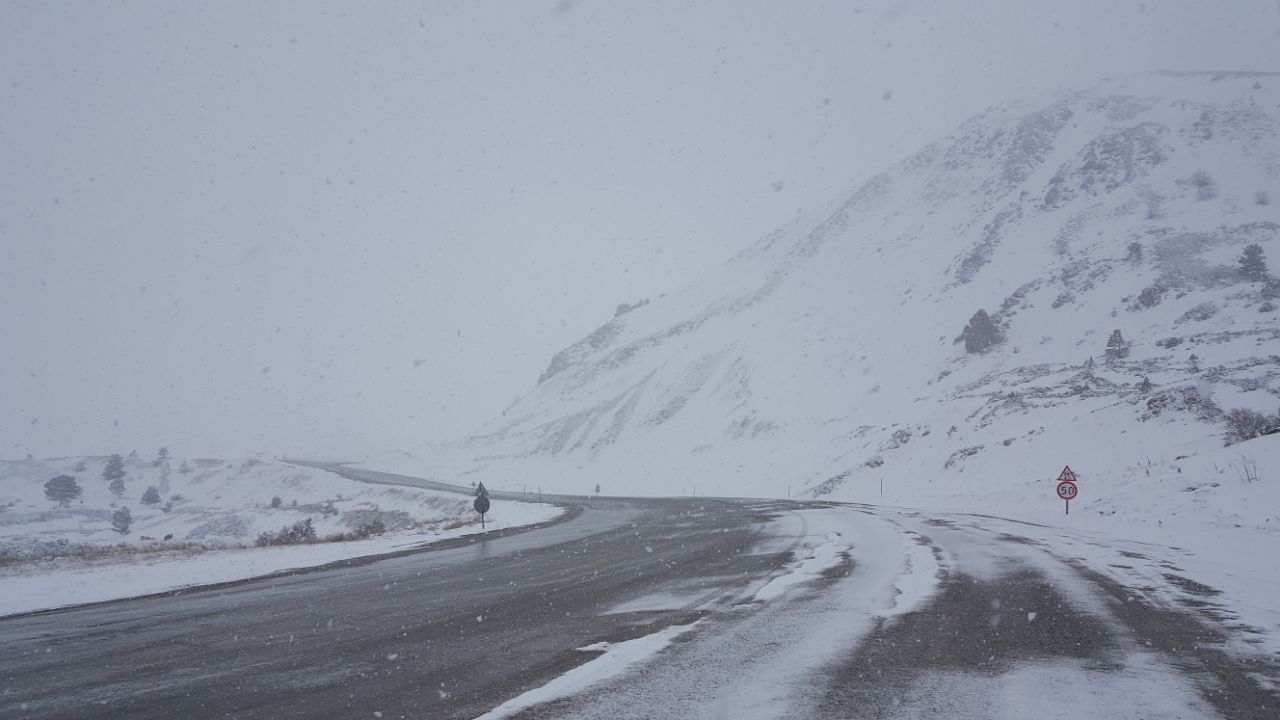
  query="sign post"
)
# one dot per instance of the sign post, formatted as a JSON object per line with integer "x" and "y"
{"x": 1067, "y": 489}
{"x": 481, "y": 503}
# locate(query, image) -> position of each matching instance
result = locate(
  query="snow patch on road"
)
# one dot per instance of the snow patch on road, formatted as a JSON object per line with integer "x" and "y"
{"x": 769, "y": 659}
{"x": 824, "y": 557}
{"x": 615, "y": 660}
{"x": 1140, "y": 686}
{"x": 702, "y": 593}
{"x": 919, "y": 581}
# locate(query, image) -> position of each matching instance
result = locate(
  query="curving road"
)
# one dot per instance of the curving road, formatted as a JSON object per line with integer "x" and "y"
{"x": 917, "y": 615}
{"x": 446, "y": 633}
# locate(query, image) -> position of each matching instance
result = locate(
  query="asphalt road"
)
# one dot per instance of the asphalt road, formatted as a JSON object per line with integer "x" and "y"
{"x": 1017, "y": 629}
{"x": 1012, "y": 631}
{"x": 447, "y": 633}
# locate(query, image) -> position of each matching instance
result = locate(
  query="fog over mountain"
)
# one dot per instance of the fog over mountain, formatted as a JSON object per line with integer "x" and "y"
{"x": 237, "y": 229}
{"x": 1048, "y": 281}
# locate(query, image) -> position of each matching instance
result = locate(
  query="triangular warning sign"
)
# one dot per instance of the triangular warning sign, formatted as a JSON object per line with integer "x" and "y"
{"x": 1068, "y": 475}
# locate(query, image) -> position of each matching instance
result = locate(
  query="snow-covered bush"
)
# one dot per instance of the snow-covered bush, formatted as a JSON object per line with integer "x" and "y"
{"x": 121, "y": 520}
{"x": 300, "y": 532}
{"x": 1244, "y": 424}
{"x": 1206, "y": 188}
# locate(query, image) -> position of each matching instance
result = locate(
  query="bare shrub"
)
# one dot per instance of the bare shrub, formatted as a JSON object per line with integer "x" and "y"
{"x": 1152, "y": 295}
{"x": 366, "y": 530}
{"x": 1245, "y": 424}
{"x": 1206, "y": 188}
{"x": 296, "y": 534}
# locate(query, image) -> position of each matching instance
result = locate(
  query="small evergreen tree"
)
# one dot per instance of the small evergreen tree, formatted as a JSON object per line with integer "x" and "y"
{"x": 1194, "y": 362}
{"x": 1117, "y": 348}
{"x": 981, "y": 333}
{"x": 114, "y": 469}
{"x": 163, "y": 454}
{"x": 133, "y": 454}
{"x": 150, "y": 496}
{"x": 184, "y": 468}
{"x": 121, "y": 520}
{"x": 62, "y": 490}
{"x": 1135, "y": 252}
{"x": 117, "y": 487}
{"x": 1253, "y": 265}
{"x": 1145, "y": 386}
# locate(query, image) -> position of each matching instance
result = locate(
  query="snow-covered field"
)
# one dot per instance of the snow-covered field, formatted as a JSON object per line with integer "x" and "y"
{"x": 204, "y": 526}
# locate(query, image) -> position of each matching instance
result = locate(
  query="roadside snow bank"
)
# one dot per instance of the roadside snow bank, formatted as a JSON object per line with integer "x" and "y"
{"x": 63, "y": 583}
{"x": 52, "y": 556}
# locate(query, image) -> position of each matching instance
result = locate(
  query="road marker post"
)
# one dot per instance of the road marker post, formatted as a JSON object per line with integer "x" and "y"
{"x": 481, "y": 503}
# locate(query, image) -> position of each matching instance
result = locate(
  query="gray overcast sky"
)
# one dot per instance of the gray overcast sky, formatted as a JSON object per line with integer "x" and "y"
{"x": 337, "y": 228}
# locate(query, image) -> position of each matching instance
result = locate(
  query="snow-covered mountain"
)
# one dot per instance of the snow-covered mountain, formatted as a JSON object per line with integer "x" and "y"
{"x": 833, "y": 354}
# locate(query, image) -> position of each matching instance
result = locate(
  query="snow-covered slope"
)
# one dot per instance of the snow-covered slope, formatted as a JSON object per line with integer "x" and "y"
{"x": 827, "y": 356}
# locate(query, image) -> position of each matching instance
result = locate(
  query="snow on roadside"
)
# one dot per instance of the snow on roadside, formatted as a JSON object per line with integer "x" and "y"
{"x": 207, "y": 502}
{"x": 1188, "y": 533}
{"x": 1231, "y": 578}
{"x": 38, "y": 587}
{"x": 54, "y": 555}
{"x": 616, "y": 659}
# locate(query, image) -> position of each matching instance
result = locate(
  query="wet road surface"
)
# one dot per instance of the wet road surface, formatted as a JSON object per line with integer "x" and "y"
{"x": 1008, "y": 630}
{"x": 447, "y": 633}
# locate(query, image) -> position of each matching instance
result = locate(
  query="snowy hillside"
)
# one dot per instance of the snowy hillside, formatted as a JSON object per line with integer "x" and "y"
{"x": 829, "y": 355}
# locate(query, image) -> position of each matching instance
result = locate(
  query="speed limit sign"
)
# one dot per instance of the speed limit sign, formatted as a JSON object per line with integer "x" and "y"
{"x": 1067, "y": 490}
